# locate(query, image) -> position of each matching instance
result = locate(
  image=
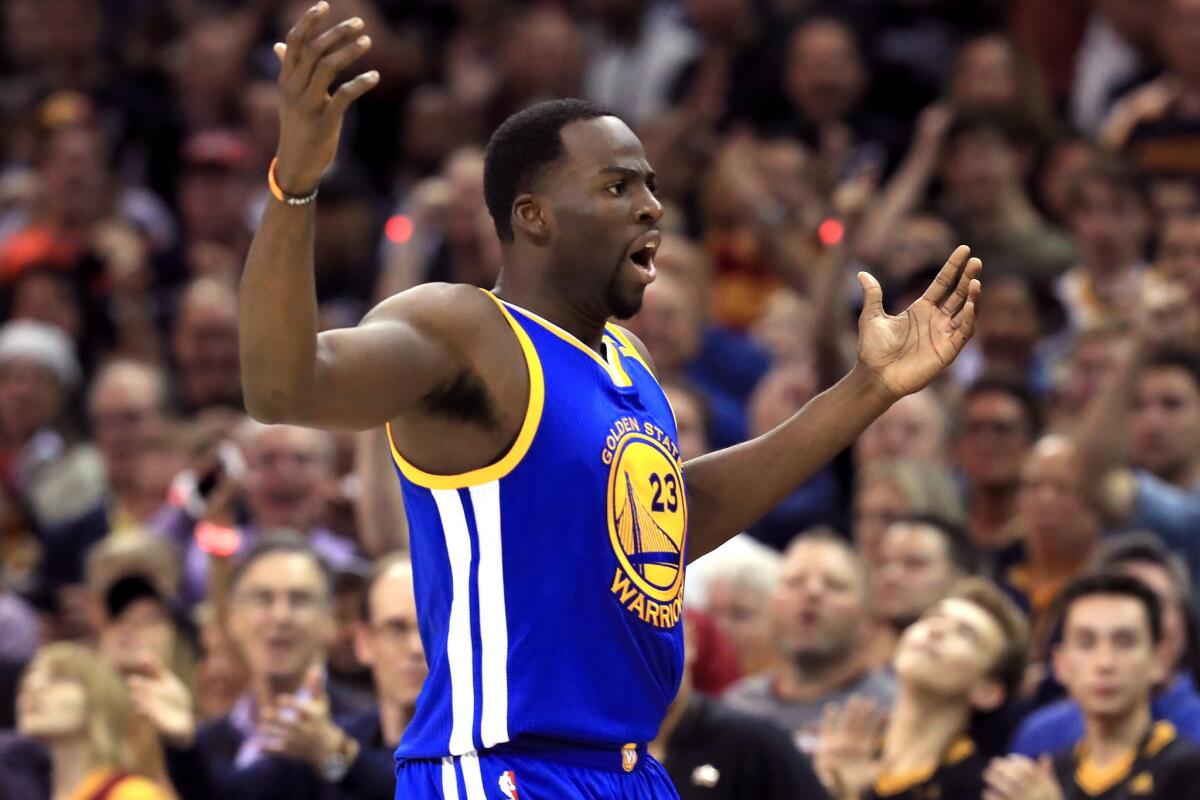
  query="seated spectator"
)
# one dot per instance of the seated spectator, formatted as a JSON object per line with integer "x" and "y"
{"x": 736, "y": 583}
{"x": 984, "y": 197}
{"x": 1159, "y": 389}
{"x": 78, "y": 708}
{"x": 1140, "y": 555}
{"x": 998, "y": 421}
{"x": 126, "y": 408}
{"x": 711, "y": 751}
{"x": 1008, "y": 338}
{"x": 1110, "y": 219}
{"x": 822, "y": 620}
{"x": 888, "y": 490}
{"x": 1060, "y": 530}
{"x": 913, "y": 427}
{"x": 920, "y": 559}
{"x": 280, "y": 619}
{"x": 1155, "y": 125}
{"x": 965, "y": 656}
{"x": 46, "y": 477}
{"x": 204, "y": 348}
{"x": 1109, "y": 660}
{"x": 288, "y": 475}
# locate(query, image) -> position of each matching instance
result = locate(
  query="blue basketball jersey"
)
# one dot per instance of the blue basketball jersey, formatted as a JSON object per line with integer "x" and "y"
{"x": 549, "y": 585}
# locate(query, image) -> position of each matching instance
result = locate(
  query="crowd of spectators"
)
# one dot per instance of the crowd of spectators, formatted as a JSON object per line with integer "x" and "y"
{"x": 196, "y": 605}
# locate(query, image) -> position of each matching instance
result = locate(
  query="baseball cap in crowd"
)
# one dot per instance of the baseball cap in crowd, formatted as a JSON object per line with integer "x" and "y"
{"x": 43, "y": 344}
{"x": 219, "y": 148}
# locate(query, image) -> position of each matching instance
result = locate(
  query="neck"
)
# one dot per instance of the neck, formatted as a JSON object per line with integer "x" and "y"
{"x": 675, "y": 712}
{"x": 921, "y": 729}
{"x": 539, "y": 297}
{"x": 72, "y": 762}
{"x": 803, "y": 678}
{"x": 992, "y": 507}
{"x": 393, "y": 719}
{"x": 1048, "y": 561}
{"x": 1107, "y": 739}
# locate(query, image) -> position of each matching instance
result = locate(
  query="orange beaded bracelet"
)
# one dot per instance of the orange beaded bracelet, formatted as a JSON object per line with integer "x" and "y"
{"x": 290, "y": 199}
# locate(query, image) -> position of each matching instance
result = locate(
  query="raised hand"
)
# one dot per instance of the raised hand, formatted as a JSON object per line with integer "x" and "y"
{"x": 905, "y": 352}
{"x": 310, "y": 119}
{"x": 164, "y": 700}
{"x": 846, "y": 759}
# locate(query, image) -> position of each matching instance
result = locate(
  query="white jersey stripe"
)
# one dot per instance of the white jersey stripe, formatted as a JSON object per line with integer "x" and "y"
{"x": 449, "y": 779}
{"x": 493, "y": 621}
{"x": 472, "y": 777}
{"x": 458, "y": 639}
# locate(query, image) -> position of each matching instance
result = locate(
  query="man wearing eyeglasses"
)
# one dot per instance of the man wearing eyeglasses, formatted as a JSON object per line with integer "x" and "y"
{"x": 280, "y": 619}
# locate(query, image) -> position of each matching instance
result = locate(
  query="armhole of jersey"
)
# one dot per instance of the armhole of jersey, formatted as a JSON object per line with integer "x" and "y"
{"x": 508, "y": 462}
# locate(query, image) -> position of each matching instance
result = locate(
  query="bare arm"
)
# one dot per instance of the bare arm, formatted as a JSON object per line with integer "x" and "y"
{"x": 357, "y": 378}
{"x": 382, "y": 523}
{"x": 732, "y": 488}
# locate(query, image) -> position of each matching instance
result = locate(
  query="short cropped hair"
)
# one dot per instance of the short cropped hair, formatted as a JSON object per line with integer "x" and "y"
{"x": 281, "y": 543}
{"x": 1112, "y": 584}
{"x": 962, "y": 552}
{"x": 521, "y": 148}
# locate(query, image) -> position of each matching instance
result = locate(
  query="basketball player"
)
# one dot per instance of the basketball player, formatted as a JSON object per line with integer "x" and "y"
{"x": 550, "y": 513}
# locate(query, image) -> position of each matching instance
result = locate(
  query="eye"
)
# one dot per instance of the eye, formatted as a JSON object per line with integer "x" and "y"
{"x": 616, "y": 189}
{"x": 652, "y": 185}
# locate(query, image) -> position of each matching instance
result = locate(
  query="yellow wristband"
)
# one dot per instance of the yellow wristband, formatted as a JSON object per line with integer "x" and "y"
{"x": 289, "y": 199}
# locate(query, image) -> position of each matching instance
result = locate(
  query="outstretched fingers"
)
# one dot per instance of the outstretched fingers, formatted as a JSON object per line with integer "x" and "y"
{"x": 948, "y": 277}
{"x": 300, "y": 34}
{"x": 962, "y": 325}
{"x": 962, "y": 290}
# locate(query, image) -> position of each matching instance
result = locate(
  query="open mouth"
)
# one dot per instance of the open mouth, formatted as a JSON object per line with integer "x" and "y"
{"x": 642, "y": 255}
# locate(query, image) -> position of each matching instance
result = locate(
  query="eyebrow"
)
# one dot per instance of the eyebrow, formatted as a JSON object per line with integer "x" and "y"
{"x": 629, "y": 172}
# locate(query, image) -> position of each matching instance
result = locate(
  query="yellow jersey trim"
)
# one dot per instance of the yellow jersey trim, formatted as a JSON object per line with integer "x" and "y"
{"x": 1096, "y": 780}
{"x": 1162, "y": 735}
{"x": 508, "y": 462}
{"x": 629, "y": 349}
{"x": 897, "y": 782}
{"x": 560, "y": 333}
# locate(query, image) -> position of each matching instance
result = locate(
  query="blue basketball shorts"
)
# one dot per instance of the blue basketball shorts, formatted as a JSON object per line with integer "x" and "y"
{"x": 519, "y": 775}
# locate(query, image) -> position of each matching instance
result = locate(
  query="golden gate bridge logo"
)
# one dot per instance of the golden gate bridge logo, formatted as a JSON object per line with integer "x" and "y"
{"x": 651, "y": 551}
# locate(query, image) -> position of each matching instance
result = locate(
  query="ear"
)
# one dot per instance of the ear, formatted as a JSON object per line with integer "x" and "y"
{"x": 363, "y": 649}
{"x": 987, "y": 695}
{"x": 531, "y": 216}
{"x": 1163, "y": 668}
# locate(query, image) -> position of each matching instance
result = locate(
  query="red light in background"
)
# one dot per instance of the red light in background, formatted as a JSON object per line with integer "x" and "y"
{"x": 830, "y": 232}
{"x": 399, "y": 229}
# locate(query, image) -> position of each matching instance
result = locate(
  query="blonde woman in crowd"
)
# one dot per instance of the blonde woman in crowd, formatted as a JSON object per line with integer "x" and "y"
{"x": 79, "y": 709}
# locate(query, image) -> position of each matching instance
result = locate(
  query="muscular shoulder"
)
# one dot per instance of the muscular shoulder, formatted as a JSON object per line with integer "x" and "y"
{"x": 454, "y": 308}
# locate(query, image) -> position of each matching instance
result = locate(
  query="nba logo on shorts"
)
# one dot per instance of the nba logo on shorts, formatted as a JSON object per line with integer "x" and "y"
{"x": 629, "y": 757}
{"x": 508, "y": 785}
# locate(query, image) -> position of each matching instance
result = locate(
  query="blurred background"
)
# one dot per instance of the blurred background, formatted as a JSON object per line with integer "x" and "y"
{"x": 796, "y": 142}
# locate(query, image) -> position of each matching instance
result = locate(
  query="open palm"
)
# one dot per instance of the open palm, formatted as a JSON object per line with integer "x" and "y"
{"x": 905, "y": 352}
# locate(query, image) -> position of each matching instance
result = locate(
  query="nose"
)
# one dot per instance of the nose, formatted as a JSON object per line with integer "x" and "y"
{"x": 651, "y": 209}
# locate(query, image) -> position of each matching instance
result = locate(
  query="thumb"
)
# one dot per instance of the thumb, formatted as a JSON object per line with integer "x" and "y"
{"x": 314, "y": 683}
{"x": 872, "y": 296}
